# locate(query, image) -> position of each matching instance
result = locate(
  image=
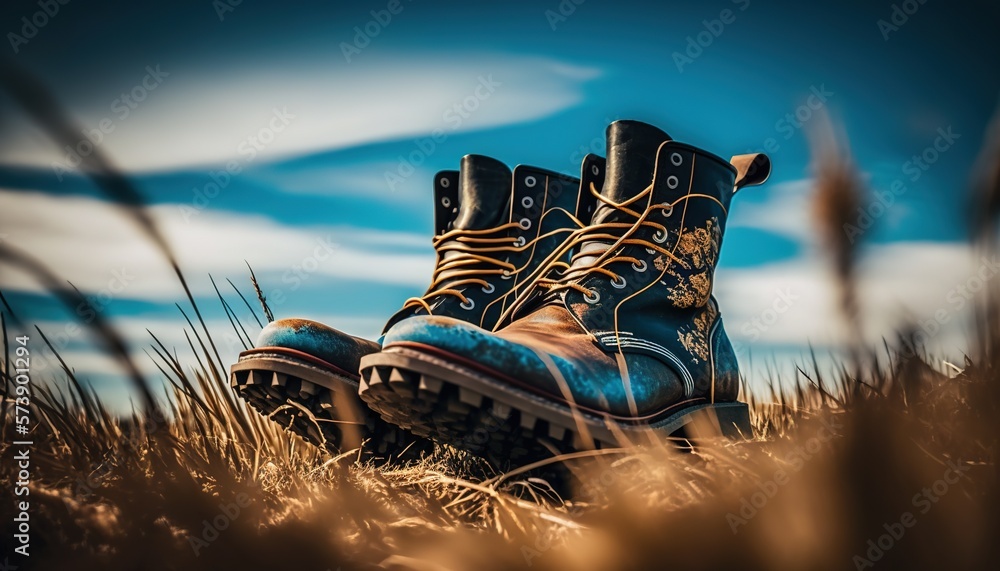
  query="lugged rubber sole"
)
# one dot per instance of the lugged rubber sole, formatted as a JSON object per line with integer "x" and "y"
{"x": 437, "y": 398}
{"x": 318, "y": 404}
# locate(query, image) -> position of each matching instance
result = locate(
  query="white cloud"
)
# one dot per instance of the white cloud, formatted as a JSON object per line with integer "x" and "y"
{"x": 197, "y": 118}
{"x": 95, "y": 247}
{"x": 787, "y": 212}
{"x": 792, "y": 303}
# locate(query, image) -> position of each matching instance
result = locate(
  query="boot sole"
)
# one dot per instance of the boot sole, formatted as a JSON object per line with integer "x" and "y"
{"x": 318, "y": 404}
{"x": 437, "y": 398}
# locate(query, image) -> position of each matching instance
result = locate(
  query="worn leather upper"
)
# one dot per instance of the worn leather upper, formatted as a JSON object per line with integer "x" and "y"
{"x": 644, "y": 341}
{"x": 539, "y": 201}
{"x": 482, "y": 195}
{"x": 326, "y": 343}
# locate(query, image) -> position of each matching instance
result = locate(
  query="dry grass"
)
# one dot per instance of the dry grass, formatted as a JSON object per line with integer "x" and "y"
{"x": 197, "y": 481}
{"x": 831, "y": 464}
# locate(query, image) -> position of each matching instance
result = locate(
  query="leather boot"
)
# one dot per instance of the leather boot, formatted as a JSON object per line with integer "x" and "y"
{"x": 627, "y": 337}
{"x": 493, "y": 229}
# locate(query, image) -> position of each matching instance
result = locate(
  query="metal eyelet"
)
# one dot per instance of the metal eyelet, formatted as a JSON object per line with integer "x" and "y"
{"x": 525, "y": 224}
{"x": 472, "y": 304}
{"x": 506, "y": 275}
{"x": 672, "y": 182}
{"x": 668, "y": 210}
{"x": 595, "y": 170}
{"x": 446, "y": 202}
{"x": 530, "y": 181}
{"x": 445, "y": 183}
{"x": 641, "y": 267}
{"x": 618, "y": 283}
{"x": 527, "y": 202}
{"x": 520, "y": 241}
{"x": 660, "y": 237}
{"x": 491, "y": 289}
{"x": 592, "y": 297}
{"x": 676, "y": 159}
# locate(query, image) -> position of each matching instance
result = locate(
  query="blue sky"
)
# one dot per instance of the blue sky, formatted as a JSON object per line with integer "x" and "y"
{"x": 335, "y": 155}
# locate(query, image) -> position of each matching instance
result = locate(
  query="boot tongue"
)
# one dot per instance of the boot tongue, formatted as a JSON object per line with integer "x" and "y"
{"x": 484, "y": 193}
{"x": 632, "y": 147}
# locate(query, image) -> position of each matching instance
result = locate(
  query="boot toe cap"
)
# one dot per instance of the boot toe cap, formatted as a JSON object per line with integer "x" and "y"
{"x": 591, "y": 375}
{"x": 316, "y": 339}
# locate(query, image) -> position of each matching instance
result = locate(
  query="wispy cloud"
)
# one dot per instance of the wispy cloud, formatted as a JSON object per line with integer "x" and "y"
{"x": 197, "y": 119}
{"x": 786, "y": 211}
{"x": 91, "y": 245}
{"x": 790, "y": 303}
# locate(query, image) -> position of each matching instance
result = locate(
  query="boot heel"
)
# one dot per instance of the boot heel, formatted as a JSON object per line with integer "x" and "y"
{"x": 729, "y": 419}
{"x": 734, "y": 420}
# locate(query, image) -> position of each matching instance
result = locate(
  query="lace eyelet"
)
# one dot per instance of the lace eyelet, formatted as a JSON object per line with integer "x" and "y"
{"x": 592, "y": 297}
{"x": 525, "y": 224}
{"x": 672, "y": 182}
{"x": 506, "y": 275}
{"x": 676, "y": 159}
{"x": 660, "y": 237}
{"x": 596, "y": 171}
{"x": 445, "y": 183}
{"x": 527, "y": 202}
{"x": 491, "y": 289}
{"x": 471, "y": 304}
{"x": 530, "y": 181}
{"x": 618, "y": 283}
{"x": 520, "y": 241}
{"x": 641, "y": 267}
{"x": 446, "y": 202}
{"x": 668, "y": 210}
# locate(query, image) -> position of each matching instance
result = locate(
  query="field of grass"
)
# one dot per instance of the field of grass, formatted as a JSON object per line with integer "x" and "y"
{"x": 896, "y": 469}
{"x": 891, "y": 463}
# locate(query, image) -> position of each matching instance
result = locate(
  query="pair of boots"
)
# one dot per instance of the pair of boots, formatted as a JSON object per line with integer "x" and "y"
{"x": 563, "y": 314}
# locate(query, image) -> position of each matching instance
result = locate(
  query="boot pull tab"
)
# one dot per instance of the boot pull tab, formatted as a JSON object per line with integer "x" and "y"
{"x": 751, "y": 169}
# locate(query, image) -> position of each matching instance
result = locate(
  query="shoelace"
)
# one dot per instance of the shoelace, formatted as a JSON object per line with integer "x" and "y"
{"x": 468, "y": 263}
{"x": 478, "y": 253}
{"x": 620, "y": 234}
{"x": 570, "y": 274}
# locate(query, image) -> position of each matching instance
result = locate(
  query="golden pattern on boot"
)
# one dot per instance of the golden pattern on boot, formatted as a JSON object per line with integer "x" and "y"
{"x": 695, "y": 338}
{"x": 697, "y": 249}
